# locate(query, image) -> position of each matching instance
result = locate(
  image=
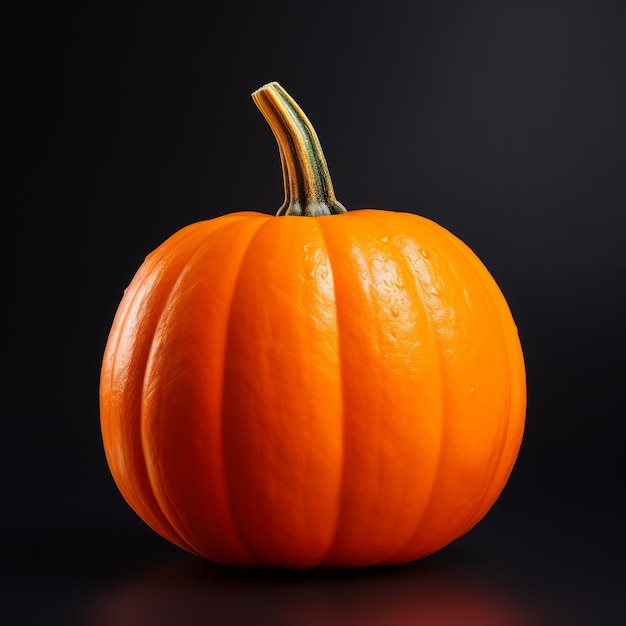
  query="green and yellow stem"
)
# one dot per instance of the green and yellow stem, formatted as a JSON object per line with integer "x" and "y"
{"x": 308, "y": 188}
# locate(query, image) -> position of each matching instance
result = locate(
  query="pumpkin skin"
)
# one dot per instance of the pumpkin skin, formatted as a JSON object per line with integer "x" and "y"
{"x": 339, "y": 391}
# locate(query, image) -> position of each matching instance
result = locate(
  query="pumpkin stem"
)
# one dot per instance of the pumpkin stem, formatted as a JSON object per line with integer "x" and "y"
{"x": 308, "y": 188}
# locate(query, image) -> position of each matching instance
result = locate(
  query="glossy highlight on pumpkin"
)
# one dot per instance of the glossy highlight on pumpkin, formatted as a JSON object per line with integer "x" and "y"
{"x": 294, "y": 391}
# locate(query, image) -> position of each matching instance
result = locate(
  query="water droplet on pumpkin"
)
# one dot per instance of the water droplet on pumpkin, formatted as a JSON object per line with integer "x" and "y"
{"x": 473, "y": 390}
{"x": 384, "y": 239}
{"x": 395, "y": 312}
{"x": 424, "y": 253}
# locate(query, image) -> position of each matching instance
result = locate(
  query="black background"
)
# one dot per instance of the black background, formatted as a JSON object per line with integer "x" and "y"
{"x": 502, "y": 121}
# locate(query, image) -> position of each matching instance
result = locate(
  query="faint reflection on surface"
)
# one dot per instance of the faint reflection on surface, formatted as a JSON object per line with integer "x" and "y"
{"x": 199, "y": 592}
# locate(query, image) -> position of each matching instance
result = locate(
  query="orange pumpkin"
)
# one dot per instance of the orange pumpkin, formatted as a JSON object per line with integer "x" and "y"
{"x": 316, "y": 388}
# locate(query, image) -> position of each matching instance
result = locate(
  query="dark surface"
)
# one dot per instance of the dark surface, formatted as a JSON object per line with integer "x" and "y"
{"x": 502, "y": 121}
{"x": 544, "y": 567}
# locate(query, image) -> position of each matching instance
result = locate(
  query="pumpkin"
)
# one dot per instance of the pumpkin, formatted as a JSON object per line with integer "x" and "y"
{"x": 319, "y": 387}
